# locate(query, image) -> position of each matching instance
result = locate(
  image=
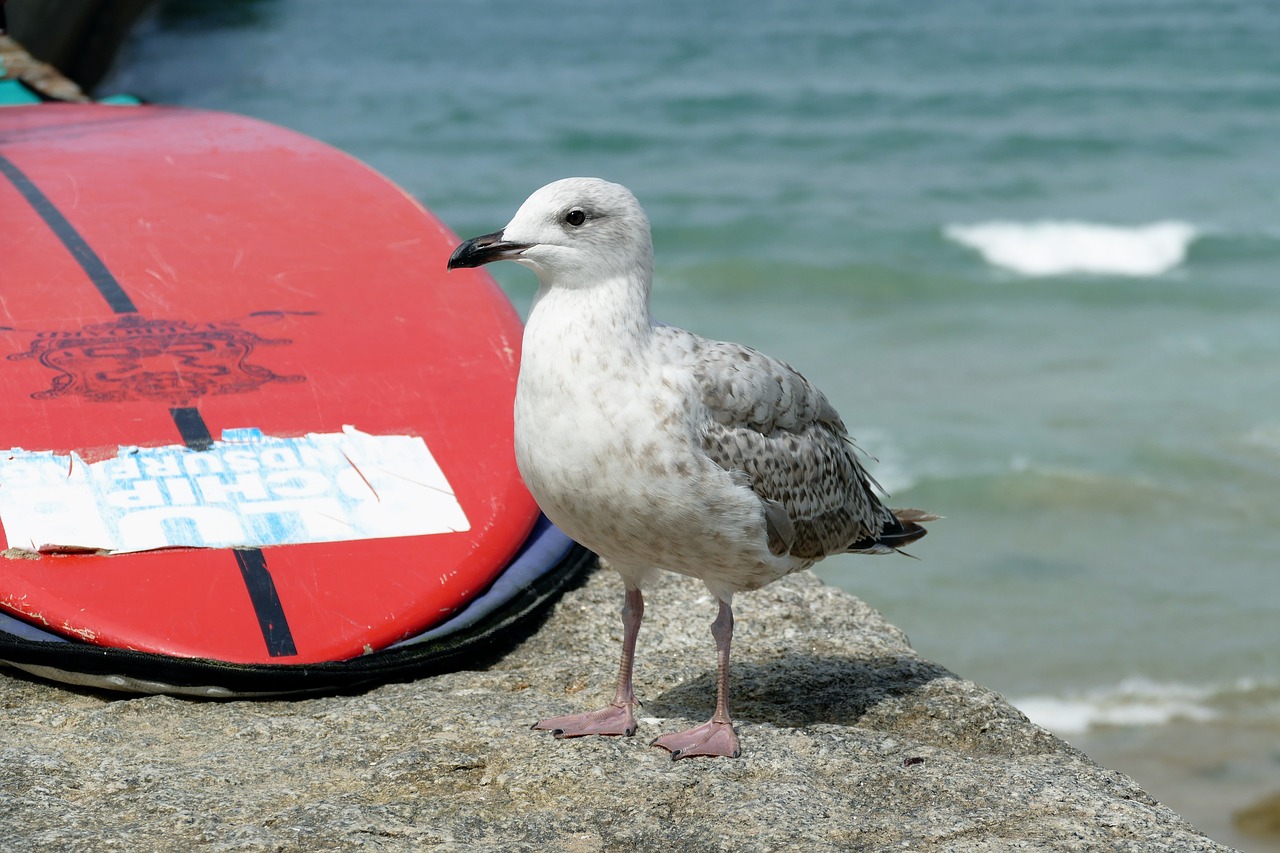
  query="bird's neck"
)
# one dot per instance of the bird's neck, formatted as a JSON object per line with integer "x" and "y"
{"x": 613, "y": 313}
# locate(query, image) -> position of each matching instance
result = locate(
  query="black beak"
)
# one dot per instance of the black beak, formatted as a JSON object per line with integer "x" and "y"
{"x": 479, "y": 251}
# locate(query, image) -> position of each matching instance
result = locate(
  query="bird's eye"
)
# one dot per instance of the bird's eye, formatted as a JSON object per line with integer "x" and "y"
{"x": 575, "y": 217}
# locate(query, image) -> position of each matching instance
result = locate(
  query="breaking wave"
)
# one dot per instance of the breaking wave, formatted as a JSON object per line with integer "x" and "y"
{"x": 1061, "y": 247}
{"x": 1141, "y": 702}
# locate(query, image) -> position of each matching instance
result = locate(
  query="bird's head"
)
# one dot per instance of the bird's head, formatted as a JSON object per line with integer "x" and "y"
{"x": 575, "y": 232}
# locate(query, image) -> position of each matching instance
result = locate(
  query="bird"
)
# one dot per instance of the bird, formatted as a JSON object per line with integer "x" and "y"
{"x": 659, "y": 449}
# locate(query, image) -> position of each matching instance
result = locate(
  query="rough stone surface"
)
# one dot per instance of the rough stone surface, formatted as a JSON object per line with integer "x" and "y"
{"x": 851, "y": 742}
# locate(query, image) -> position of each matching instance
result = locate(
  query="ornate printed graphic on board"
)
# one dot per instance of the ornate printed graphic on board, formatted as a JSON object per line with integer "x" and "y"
{"x": 166, "y": 361}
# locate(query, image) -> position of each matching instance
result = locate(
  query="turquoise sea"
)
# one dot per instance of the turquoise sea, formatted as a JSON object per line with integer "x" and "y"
{"x": 1031, "y": 251}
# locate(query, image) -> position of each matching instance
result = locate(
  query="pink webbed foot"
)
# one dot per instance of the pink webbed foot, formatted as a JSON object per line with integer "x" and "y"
{"x": 712, "y": 738}
{"x": 613, "y": 719}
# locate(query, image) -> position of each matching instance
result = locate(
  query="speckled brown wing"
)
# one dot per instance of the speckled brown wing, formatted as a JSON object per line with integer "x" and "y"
{"x": 771, "y": 425}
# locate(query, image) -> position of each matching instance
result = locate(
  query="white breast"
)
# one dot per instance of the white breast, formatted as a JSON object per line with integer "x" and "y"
{"x": 606, "y": 440}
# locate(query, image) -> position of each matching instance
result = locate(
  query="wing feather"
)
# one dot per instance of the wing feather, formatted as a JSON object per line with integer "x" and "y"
{"x": 770, "y": 423}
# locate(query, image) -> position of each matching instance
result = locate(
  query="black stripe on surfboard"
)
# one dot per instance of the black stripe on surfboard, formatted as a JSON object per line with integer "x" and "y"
{"x": 84, "y": 254}
{"x": 266, "y": 602}
{"x": 252, "y": 562}
{"x": 195, "y": 434}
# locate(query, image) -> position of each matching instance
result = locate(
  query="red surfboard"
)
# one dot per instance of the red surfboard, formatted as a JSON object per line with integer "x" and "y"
{"x": 245, "y": 414}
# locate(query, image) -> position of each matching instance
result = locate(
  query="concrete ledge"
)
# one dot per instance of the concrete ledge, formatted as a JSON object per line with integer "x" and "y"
{"x": 851, "y": 742}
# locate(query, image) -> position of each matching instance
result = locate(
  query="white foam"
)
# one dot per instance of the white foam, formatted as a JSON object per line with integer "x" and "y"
{"x": 1265, "y": 437}
{"x": 1060, "y": 247}
{"x": 1132, "y": 702}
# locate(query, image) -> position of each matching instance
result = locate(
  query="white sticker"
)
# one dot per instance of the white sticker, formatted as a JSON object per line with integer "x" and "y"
{"x": 247, "y": 490}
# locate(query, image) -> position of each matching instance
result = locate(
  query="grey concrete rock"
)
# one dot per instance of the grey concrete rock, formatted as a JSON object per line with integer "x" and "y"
{"x": 850, "y": 742}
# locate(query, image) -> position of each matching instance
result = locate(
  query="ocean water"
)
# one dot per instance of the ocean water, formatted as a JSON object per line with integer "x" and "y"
{"x": 1030, "y": 251}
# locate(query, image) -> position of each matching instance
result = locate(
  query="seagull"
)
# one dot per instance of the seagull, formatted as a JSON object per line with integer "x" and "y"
{"x": 659, "y": 449}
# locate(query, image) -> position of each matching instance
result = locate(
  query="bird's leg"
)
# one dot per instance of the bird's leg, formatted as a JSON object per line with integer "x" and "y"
{"x": 618, "y": 717}
{"x": 716, "y": 736}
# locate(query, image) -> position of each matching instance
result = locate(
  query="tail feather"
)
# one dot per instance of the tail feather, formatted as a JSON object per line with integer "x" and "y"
{"x": 905, "y": 528}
